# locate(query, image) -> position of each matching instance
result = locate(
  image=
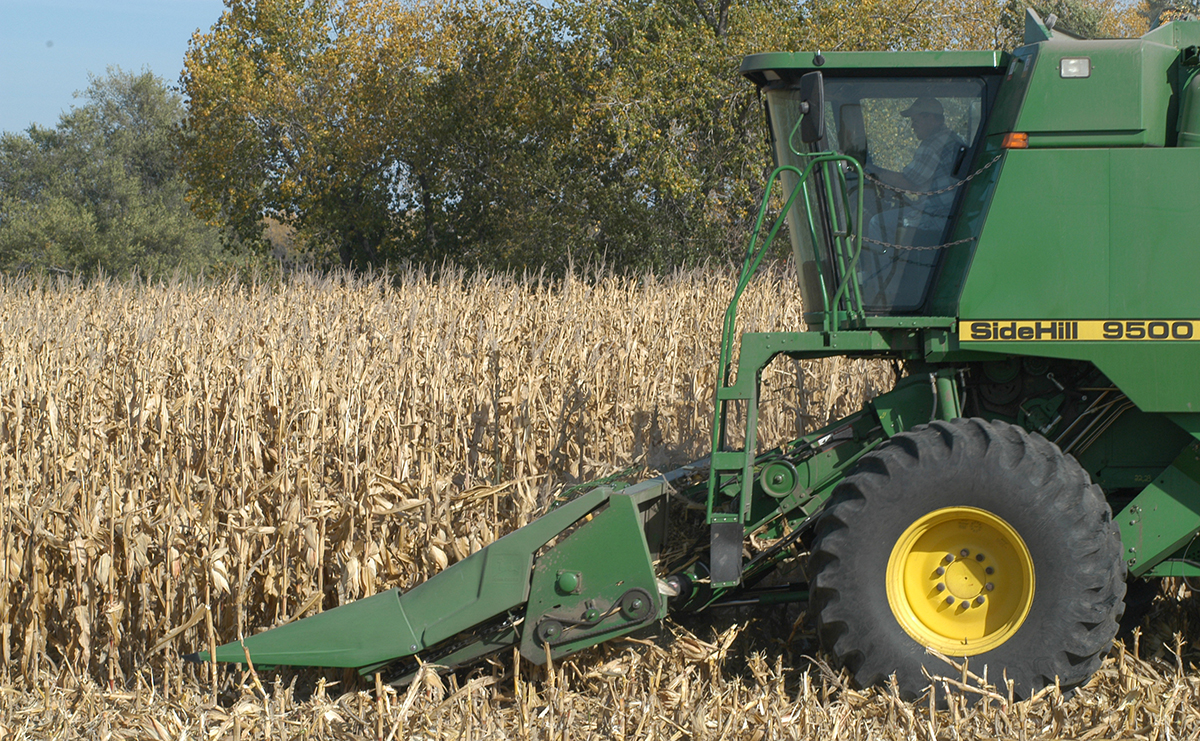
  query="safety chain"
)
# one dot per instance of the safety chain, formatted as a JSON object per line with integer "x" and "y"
{"x": 947, "y": 189}
{"x": 914, "y": 248}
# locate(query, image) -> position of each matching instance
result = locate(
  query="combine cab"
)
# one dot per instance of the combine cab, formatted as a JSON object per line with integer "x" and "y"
{"x": 1016, "y": 230}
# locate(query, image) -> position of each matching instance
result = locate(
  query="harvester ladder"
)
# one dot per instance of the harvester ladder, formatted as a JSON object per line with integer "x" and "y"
{"x": 730, "y": 467}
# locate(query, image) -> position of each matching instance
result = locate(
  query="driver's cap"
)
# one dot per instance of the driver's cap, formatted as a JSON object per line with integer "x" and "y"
{"x": 924, "y": 105}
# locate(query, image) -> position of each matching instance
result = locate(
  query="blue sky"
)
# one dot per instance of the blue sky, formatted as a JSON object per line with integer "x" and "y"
{"x": 48, "y": 47}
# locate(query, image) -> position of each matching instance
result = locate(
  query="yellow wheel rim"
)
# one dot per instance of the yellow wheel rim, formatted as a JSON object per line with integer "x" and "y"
{"x": 960, "y": 580}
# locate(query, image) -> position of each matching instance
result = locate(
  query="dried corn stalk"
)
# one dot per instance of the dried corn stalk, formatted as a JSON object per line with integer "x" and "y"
{"x": 266, "y": 449}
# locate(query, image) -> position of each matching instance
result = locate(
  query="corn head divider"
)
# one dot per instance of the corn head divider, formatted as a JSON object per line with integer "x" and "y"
{"x": 1014, "y": 231}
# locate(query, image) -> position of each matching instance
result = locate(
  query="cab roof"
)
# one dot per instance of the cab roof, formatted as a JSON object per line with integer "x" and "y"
{"x": 764, "y": 69}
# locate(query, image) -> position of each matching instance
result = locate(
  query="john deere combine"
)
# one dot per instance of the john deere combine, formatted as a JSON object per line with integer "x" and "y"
{"x": 1020, "y": 232}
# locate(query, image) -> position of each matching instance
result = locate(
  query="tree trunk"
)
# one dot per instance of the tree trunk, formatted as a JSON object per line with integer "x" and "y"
{"x": 427, "y": 207}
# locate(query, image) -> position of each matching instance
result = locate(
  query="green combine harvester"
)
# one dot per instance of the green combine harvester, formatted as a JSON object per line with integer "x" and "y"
{"x": 1020, "y": 233}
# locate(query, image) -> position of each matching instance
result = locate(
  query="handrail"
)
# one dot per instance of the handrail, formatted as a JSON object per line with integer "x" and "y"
{"x": 846, "y": 264}
{"x": 846, "y": 285}
{"x": 754, "y": 256}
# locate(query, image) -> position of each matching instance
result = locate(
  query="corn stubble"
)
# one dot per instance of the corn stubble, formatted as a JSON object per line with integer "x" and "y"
{"x": 186, "y": 462}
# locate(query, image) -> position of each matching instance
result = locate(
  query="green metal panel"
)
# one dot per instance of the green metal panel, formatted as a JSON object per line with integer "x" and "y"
{"x": 1189, "y": 113}
{"x": 1154, "y": 217}
{"x": 1176, "y": 568}
{"x": 391, "y": 625}
{"x": 1107, "y": 100}
{"x": 591, "y": 570}
{"x": 1126, "y": 96}
{"x": 1043, "y": 252}
{"x": 1158, "y": 377}
{"x": 1189, "y": 422}
{"x": 1178, "y": 34}
{"x": 1036, "y": 29}
{"x": 491, "y": 580}
{"x": 1133, "y": 451}
{"x": 912, "y": 402}
{"x": 1165, "y": 515}
{"x": 1095, "y": 235}
{"x": 363, "y": 632}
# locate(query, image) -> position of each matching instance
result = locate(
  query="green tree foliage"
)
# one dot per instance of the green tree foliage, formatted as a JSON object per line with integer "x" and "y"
{"x": 680, "y": 153}
{"x": 1157, "y": 12}
{"x": 505, "y": 133}
{"x": 307, "y": 112}
{"x": 512, "y": 133}
{"x": 613, "y": 131}
{"x": 1093, "y": 19}
{"x": 1080, "y": 17}
{"x": 103, "y": 188}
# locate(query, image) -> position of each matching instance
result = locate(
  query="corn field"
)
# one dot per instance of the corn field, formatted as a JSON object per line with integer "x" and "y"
{"x": 187, "y": 462}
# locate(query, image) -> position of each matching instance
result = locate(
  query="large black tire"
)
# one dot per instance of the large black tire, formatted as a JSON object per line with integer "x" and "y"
{"x": 1021, "y": 478}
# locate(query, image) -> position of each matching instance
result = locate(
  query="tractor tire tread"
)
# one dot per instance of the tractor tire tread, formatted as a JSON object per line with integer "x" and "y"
{"x": 1073, "y": 517}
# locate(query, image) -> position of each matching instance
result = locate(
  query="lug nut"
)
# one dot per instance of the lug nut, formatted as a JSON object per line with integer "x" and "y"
{"x": 978, "y": 556}
{"x": 941, "y": 570}
{"x": 989, "y": 571}
{"x": 980, "y": 600}
{"x": 989, "y": 586}
{"x": 949, "y": 599}
{"x": 949, "y": 558}
{"x": 941, "y": 587}
{"x": 964, "y": 553}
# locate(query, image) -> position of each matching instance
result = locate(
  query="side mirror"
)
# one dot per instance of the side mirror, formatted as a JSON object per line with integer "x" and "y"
{"x": 812, "y": 95}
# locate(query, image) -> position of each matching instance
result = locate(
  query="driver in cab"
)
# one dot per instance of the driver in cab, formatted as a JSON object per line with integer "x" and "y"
{"x": 899, "y": 255}
{"x": 932, "y": 165}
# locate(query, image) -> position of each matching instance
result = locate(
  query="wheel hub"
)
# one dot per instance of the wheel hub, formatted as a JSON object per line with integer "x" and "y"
{"x": 960, "y": 580}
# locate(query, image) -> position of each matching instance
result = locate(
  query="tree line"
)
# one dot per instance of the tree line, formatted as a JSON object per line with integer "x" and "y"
{"x": 500, "y": 133}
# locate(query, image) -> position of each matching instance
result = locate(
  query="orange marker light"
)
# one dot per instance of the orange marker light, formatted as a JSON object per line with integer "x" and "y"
{"x": 1015, "y": 140}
